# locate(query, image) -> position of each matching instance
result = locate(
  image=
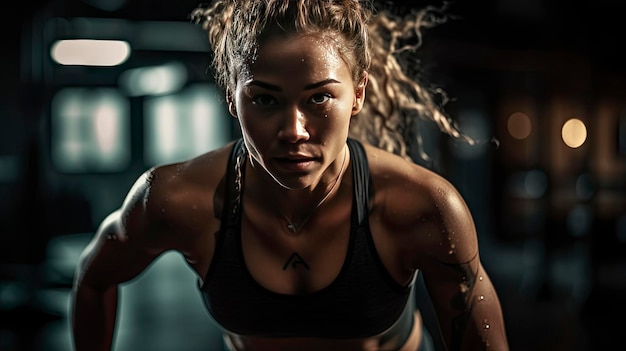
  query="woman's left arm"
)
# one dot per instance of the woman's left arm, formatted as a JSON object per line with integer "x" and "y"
{"x": 467, "y": 305}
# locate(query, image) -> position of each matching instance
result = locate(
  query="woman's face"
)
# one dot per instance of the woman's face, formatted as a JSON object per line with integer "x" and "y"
{"x": 294, "y": 104}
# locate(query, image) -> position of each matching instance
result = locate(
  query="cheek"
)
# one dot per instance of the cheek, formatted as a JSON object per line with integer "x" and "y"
{"x": 334, "y": 124}
{"x": 262, "y": 132}
{"x": 340, "y": 115}
{"x": 252, "y": 128}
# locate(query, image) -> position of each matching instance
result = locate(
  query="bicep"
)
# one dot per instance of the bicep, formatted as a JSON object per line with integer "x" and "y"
{"x": 124, "y": 244}
{"x": 459, "y": 287}
{"x": 449, "y": 258}
{"x": 113, "y": 256}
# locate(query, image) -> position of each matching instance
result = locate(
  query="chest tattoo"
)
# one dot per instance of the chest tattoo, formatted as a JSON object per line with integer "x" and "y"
{"x": 294, "y": 261}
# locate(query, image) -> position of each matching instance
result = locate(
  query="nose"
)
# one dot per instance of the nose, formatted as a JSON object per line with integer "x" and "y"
{"x": 294, "y": 126}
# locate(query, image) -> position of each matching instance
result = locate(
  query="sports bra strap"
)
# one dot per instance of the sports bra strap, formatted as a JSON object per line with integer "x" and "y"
{"x": 362, "y": 190}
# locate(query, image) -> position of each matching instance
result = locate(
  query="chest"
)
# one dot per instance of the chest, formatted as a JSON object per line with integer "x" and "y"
{"x": 351, "y": 298}
{"x": 297, "y": 263}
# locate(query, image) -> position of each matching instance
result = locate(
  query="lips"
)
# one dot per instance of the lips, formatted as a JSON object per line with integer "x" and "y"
{"x": 296, "y": 163}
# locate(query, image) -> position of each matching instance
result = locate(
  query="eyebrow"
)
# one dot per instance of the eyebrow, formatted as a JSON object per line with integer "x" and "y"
{"x": 306, "y": 87}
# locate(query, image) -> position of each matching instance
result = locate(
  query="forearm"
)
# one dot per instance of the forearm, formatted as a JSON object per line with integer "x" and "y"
{"x": 93, "y": 318}
{"x": 479, "y": 323}
{"x": 484, "y": 329}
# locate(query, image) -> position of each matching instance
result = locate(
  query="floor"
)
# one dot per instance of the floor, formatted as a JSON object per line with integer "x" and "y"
{"x": 163, "y": 311}
{"x": 160, "y": 311}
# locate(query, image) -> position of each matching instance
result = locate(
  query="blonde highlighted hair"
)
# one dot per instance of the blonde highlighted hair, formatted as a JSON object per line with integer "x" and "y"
{"x": 368, "y": 39}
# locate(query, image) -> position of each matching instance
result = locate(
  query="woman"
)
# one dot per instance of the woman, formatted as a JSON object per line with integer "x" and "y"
{"x": 303, "y": 235}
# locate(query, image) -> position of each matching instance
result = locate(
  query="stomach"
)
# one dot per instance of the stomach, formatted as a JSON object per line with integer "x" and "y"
{"x": 384, "y": 341}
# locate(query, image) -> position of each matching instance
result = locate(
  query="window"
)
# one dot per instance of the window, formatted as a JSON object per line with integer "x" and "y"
{"x": 90, "y": 130}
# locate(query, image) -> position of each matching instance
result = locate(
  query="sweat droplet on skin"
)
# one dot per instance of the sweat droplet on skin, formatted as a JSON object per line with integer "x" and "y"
{"x": 480, "y": 298}
{"x": 451, "y": 251}
{"x": 464, "y": 288}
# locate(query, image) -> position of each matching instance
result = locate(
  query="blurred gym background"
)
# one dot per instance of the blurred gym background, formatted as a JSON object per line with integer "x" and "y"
{"x": 94, "y": 92}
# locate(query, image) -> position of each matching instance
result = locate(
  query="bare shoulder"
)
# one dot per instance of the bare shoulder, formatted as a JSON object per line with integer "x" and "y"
{"x": 170, "y": 201}
{"x": 175, "y": 192}
{"x": 421, "y": 208}
{"x": 169, "y": 207}
{"x": 422, "y": 190}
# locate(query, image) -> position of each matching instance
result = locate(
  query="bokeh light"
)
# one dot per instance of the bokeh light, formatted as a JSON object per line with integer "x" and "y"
{"x": 574, "y": 133}
{"x": 519, "y": 125}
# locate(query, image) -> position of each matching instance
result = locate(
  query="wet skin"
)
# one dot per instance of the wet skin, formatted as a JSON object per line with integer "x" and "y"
{"x": 294, "y": 108}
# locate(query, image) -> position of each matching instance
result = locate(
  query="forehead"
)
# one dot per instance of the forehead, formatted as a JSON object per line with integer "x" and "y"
{"x": 297, "y": 54}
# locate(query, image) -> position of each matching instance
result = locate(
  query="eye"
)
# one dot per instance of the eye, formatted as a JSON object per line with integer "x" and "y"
{"x": 320, "y": 98}
{"x": 263, "y": 100}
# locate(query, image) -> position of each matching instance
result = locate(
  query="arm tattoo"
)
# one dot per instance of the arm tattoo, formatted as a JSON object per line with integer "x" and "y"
{"x": 295, "y": 259}
{"x": 462, "y": 301}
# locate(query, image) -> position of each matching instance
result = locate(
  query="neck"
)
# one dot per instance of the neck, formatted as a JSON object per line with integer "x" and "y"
{"x": 297, "y": 206}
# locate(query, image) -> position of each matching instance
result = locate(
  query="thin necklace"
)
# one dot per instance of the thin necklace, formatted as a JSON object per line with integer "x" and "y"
{"x": 296, "y": 228}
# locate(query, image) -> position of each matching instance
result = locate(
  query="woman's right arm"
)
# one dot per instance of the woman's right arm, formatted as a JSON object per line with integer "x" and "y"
{"x": 126, "y": 242}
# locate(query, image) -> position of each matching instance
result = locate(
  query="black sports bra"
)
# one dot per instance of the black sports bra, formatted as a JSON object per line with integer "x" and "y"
{"x": 363, "y": 301}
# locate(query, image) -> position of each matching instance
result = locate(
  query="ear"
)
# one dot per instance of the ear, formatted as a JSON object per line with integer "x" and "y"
{"x": 359, "y": 94}
{"x": 231, "y": 104}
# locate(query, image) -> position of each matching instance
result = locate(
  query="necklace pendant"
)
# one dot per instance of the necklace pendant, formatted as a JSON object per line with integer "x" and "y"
{"x": 297, "y": 229}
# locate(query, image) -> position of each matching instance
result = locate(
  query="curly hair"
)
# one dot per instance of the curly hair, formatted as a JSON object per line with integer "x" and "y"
{"x": 380, "y": 42}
